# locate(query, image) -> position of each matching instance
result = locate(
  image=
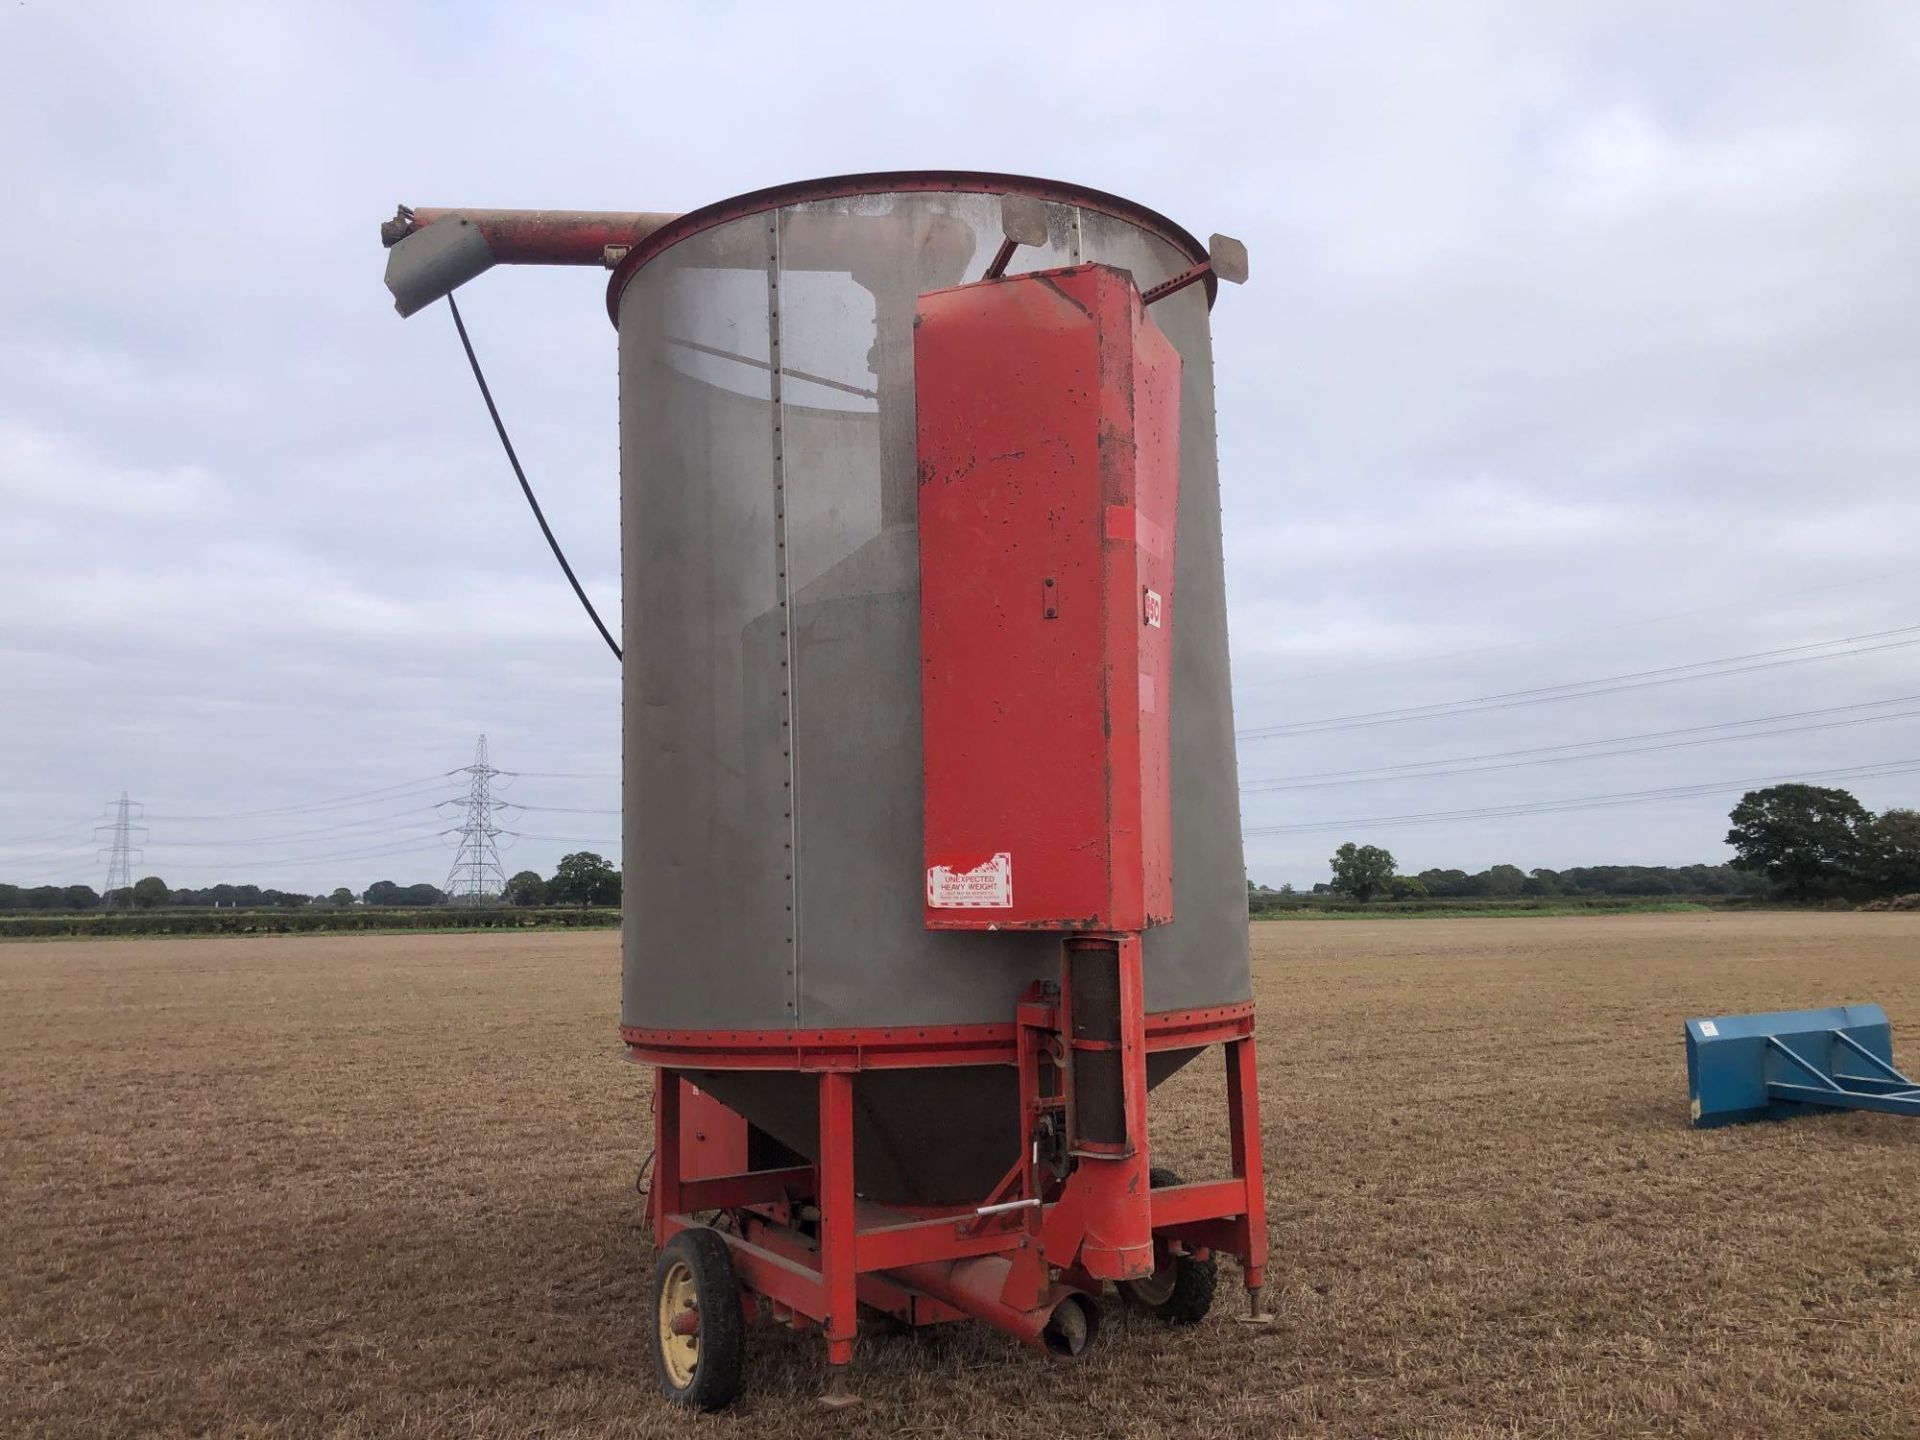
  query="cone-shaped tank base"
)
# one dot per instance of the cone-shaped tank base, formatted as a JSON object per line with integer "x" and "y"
{"x": 939, "y": 1136}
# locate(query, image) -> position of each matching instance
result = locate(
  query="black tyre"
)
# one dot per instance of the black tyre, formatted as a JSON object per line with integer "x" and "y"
{"x": 699, "y": 1332}
{"x": 1180, "y": 1290}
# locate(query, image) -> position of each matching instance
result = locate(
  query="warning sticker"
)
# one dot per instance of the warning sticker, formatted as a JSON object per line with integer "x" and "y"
{"x": 988, "y": 886}
{"x": 1709, "y": 1029}
{"x": 1150, "y": 608}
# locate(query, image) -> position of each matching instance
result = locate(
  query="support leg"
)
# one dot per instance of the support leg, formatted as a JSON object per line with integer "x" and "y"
{"x": 663, "y": 1199}
{"x": 1104, "y": 1022}
{"x": 837, "y": 1222}
{"x": 1243, "y": 1124}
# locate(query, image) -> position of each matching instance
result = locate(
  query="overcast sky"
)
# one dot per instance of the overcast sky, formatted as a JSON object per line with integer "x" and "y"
{"x": 1581, "y": 342}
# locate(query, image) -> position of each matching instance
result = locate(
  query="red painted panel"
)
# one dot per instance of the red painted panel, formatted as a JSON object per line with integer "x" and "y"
{"x": 1048, "y": 417}
{"x": 713, "y": 1139}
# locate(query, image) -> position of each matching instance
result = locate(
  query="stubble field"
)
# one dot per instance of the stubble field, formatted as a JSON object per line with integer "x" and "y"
{"x": 383, "y": 1186}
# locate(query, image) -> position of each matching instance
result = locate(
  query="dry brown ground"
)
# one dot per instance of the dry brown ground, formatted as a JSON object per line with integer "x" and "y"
{"x": 383, "y": 1186}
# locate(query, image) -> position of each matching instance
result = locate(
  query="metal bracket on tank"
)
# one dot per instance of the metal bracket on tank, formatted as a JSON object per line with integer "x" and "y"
{"x": 1226, "y": 260}
{"x": 1023, "y": 221}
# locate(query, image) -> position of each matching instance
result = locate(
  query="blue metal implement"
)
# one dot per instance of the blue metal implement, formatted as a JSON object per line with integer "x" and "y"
{"x": 1758, "y": 1067}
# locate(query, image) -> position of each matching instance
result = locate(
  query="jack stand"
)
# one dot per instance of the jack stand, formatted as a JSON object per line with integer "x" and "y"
{"x": 837, "y": 1396}
{"x": 1257, "y": 1311}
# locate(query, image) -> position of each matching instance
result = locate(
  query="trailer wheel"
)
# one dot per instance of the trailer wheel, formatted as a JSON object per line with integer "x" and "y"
{"x": 1180, "y": 1290}
{"x": 699, "y": 1344}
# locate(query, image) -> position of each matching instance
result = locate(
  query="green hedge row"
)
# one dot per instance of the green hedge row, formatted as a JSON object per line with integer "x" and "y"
{"x": 317, "y": 921}
{"x": 1312, "y": 904}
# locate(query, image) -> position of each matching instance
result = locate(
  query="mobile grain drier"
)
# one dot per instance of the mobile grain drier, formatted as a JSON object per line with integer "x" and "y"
{"x": 932, "y": 851}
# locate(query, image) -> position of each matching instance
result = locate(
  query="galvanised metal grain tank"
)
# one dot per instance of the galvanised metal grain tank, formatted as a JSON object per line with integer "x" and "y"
{"x": 772, "y": 732}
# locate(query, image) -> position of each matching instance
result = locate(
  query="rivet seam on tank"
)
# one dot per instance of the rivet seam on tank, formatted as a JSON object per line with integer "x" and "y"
{"x": 783, "y": 590}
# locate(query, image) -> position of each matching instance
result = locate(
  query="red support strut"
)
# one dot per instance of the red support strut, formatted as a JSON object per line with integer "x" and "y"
{"x": 837, "y": 1220}
{"x": 663, "y": 1199}
{"x": 1243, "y": 1125}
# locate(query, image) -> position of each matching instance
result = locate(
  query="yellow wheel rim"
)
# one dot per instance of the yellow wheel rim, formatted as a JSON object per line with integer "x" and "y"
{"x": 679, "y": 1343}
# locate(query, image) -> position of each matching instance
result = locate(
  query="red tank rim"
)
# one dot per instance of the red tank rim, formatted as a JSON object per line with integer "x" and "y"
{"x": 883, "y": 182}
{"x": 877, "y": 1047}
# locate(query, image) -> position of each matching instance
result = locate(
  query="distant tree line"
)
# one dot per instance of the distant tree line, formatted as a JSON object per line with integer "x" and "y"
{"x": 1790, "y": 842}
{"x": 1813, "y": 843}
{"x": 147, "y": 894}
{"x": 49, "y": 897}
{"x": 583, "y": 879}
{"x": 1509, "y": 881}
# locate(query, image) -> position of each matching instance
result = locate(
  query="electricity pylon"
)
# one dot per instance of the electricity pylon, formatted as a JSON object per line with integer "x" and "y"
{"x": 120, "y": 852}
{"x": 477, "y": 875}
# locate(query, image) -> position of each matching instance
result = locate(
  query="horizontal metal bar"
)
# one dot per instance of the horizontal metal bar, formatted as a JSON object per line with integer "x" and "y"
{"x": 1874, "y": 1085}
{"x": 1872, "y": 1059}
{"x": 1030, "y": 1203}
{"x": 890, "y": 1247}
{"x": 908, "y": 1306}
{"x": 905, "y": 1047}
{"x": 1845, "y": 1099}
{"x": 793, "y": 1285}
{"x": 752, "y": 1187}
{"x": 1204, "y": 1200}
{"x": 1230, "y": 1237}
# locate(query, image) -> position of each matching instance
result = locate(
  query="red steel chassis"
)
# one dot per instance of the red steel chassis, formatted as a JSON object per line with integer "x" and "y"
{"x": 801, "y": 1238}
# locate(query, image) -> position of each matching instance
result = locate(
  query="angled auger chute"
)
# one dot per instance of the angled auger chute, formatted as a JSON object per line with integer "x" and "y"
{"x": 1760, "y": 1067}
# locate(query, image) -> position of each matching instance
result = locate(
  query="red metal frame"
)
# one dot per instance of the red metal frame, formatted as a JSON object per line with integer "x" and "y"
{"x": 886, "y": 182}
{"x": 801, "y": 1239}
{"x": 902, "y": 1047}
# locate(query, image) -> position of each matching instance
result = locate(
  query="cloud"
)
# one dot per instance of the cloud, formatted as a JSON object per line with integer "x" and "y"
{"x": 51, "y": 478}
{"x": 1580, "y": 340}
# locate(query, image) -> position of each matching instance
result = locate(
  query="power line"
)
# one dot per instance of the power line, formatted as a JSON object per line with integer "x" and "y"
{"x": 1546, "y": 754}
{"x": 51, "y": 864}
{"x": 391, "y": 850}
{"x": 392, "y": 837}
{"x": 1581, "y": 689}
{"x": 90, "y": 824}
{"x": 556, "y": 809}
{"x": 388, "y": 792}
{"x": 1590, "y": 802}
{"x": 297, "y": 837}
{"x": 1586, "y": 633}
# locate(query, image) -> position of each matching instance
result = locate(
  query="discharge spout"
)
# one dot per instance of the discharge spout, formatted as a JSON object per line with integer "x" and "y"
{"x": 432, "y": 252}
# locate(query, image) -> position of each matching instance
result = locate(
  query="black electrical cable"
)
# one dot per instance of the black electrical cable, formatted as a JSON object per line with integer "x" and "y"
{"x": 521, "y": 475}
